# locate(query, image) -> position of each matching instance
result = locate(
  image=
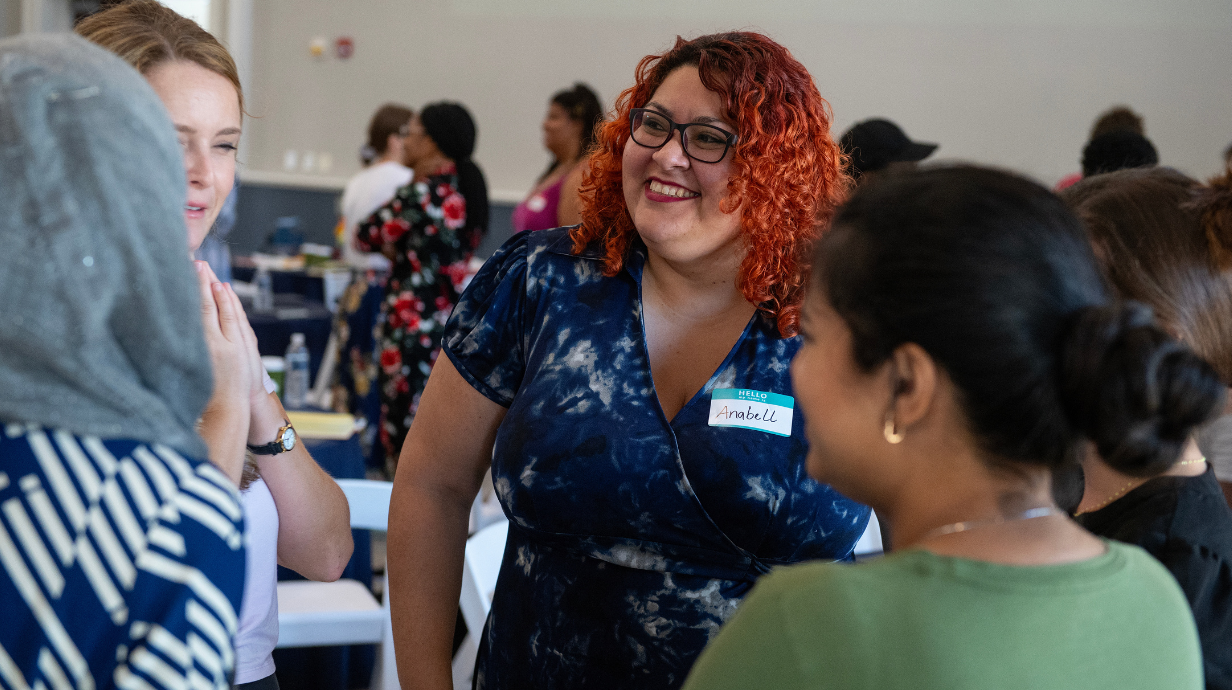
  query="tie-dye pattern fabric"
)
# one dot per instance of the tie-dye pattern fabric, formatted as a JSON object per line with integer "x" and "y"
{"x": 632, "y": 538}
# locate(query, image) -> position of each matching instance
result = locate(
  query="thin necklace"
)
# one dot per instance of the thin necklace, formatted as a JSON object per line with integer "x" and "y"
{"x": 1131, "y": 484}
{"x": 953, "y": 528}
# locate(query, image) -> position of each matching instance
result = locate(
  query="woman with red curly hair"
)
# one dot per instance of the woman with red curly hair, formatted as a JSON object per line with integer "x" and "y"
{"x": 627, "y": 382}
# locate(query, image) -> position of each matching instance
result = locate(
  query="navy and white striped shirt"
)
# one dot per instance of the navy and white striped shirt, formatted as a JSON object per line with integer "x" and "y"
{"x": 121, "y": 564}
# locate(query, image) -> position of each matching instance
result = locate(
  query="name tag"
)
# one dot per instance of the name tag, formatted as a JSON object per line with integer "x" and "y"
{"x": 749, "y": 409}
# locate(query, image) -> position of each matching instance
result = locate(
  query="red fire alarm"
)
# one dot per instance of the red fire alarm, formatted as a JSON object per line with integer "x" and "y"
{"x": 344, "y": 47}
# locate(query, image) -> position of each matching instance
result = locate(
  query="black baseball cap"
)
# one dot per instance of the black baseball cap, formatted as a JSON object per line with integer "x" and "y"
{"x": 874, "y": 144}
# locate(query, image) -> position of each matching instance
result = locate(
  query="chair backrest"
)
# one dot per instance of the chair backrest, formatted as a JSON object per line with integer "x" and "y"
{"x": 870, "y": 542}
{"x": 481, "y": 567}
{"x": 369, "y": 502}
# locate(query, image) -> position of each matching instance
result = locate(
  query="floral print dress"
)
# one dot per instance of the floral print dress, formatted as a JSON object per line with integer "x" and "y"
{"x": 632, "y": 538}
{"x": 424, "y": 227}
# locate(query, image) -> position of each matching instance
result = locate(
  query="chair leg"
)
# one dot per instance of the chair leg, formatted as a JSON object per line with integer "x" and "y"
{"x": 385, "y": 671}
{"x": 389, "y": 665}
{"x": 464, "y": 663}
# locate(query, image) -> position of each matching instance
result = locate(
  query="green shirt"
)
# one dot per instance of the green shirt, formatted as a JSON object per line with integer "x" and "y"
{"x": 918, "y": 620}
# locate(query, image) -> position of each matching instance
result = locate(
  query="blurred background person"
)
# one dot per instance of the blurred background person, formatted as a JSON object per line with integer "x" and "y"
{"x": 1165, "y": 240}
{"x": 946, "y": 413}
{"x": 1118, "y": 118}
{"x": 355, "y": 380}
{"x": 104, "y": 372}
{"x": 568, "y": 133}
{"x": 215, "y": 249}
{"x": 429, "y": 230}
{"x": 879, "y": 146}
{"x": 296, "y": 515}
{"x": 1117, "y": 151}
{"x": 385, "y": 170}
{"x": 597, "y": 371}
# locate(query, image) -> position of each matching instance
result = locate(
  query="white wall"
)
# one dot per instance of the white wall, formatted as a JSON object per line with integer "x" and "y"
{"x": 35, "y": 15}
{"x": 1014, "y": 84}
{"x": 10, "y": 17}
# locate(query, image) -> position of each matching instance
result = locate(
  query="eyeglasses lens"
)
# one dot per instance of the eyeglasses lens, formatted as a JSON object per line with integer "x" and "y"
{"x": 702, "y": 142}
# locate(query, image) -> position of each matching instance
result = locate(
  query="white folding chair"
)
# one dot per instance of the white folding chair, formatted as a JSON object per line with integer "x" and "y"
{"x": 313, "y": 614}
{"x": 869, "y": 543}
{"x": 480, "y": 568}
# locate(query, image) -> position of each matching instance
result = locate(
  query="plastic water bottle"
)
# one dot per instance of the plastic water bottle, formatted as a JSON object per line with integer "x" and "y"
{"x": 296, "y": 376}
{"x": 264, "y": 300}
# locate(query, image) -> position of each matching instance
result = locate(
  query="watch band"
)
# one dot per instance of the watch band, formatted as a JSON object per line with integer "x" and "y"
{"x": 278, "y": 445}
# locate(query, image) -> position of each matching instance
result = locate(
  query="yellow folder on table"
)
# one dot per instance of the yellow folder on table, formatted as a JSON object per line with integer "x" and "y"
{"x": 323, "y": 425}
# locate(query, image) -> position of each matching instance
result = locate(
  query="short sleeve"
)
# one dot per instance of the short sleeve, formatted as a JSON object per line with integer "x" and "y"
{"x": 389, "y": 222}
{"x": 486, "y": 334}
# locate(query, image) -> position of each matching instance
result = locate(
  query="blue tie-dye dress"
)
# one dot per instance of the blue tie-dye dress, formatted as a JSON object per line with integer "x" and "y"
{"x": 632, "y": 539}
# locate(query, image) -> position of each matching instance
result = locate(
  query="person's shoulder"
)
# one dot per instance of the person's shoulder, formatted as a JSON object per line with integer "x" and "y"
{"x": 383, "y": 176}
{"x": 1202, "y": 514}
{"x": 558, "y": 242}
{"x": 842, "y": 587}
{"x": 830, "y": 614}
{"x": 551, "y": 252}
{"x": 392, "y": 170}
{"x": 1142, "y": 571}
{"x": 162, "y": 471}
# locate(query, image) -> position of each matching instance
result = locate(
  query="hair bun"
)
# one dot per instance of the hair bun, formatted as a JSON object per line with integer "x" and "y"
{"x": 1133, "y": 390}
{"x": 1216, "y": 206}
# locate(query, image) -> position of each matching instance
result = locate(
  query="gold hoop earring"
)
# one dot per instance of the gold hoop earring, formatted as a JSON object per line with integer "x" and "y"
{"x": 892, "y": 435}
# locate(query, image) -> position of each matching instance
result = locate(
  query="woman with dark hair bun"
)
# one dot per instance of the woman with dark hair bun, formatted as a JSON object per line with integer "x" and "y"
{"x": 1166, "y": 240}
{"x": 959, "y": 317}
{"x": 568, "y": 132}
{"x": 429, "y": 230}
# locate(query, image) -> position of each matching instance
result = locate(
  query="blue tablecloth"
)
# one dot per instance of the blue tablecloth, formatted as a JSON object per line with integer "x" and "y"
{"x": 297, "y": 282}
{"x": 292, "y": 314}
{"x": 332, "y": 668}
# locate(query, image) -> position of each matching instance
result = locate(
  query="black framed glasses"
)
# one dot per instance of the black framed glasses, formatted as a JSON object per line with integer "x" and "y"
{"x": 702, "y": 143}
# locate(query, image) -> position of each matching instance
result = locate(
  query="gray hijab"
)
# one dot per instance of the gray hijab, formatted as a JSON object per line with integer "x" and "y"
{"x": 100, "y": 330}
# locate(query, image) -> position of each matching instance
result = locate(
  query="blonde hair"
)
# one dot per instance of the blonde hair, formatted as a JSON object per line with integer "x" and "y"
{"x": 146, "y": 34}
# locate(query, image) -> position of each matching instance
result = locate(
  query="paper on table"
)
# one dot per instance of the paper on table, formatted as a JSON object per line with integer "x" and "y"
{"x": 323, "y": 425}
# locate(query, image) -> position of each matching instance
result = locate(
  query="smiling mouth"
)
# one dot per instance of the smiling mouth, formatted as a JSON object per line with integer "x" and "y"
{"x": 671, "y": 190}
{"x": 191, "y": 209}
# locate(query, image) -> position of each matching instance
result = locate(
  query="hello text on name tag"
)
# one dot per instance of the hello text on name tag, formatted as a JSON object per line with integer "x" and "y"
{"x": 749, "y": 409}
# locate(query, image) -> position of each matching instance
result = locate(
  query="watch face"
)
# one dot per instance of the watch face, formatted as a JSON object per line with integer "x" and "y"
{"x": 288, "y": 439}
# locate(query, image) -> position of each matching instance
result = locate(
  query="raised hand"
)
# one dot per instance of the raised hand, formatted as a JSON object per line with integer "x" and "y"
{"x": 224, "y": 425}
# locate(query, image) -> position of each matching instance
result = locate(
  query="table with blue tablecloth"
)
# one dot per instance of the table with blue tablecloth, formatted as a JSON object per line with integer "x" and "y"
{"x": 299, "y": 282}
{"x": 292, "y": 313}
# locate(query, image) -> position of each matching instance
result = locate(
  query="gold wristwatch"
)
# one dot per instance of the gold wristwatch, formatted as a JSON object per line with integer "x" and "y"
{"x": 282, "y": 443}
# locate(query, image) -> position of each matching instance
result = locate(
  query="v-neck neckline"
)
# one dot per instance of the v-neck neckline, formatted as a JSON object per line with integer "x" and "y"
{"x": 636, "y": 266}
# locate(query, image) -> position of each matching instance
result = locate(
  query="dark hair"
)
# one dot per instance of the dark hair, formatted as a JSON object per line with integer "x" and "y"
{"x": 1118, "y": 119}
{"x": 583, "y": 106}
{"x": 391, "y": 118}
{"x": 786, "y": 172}
{"x": 994, "y": 278}
{"x": 452, "y": 129}
{"x": 1116, "y": 151}
{"x": 1159, "y": 236}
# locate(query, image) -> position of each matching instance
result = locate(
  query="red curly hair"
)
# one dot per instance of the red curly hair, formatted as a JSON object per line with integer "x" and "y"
{"x": 787, "y": 173}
